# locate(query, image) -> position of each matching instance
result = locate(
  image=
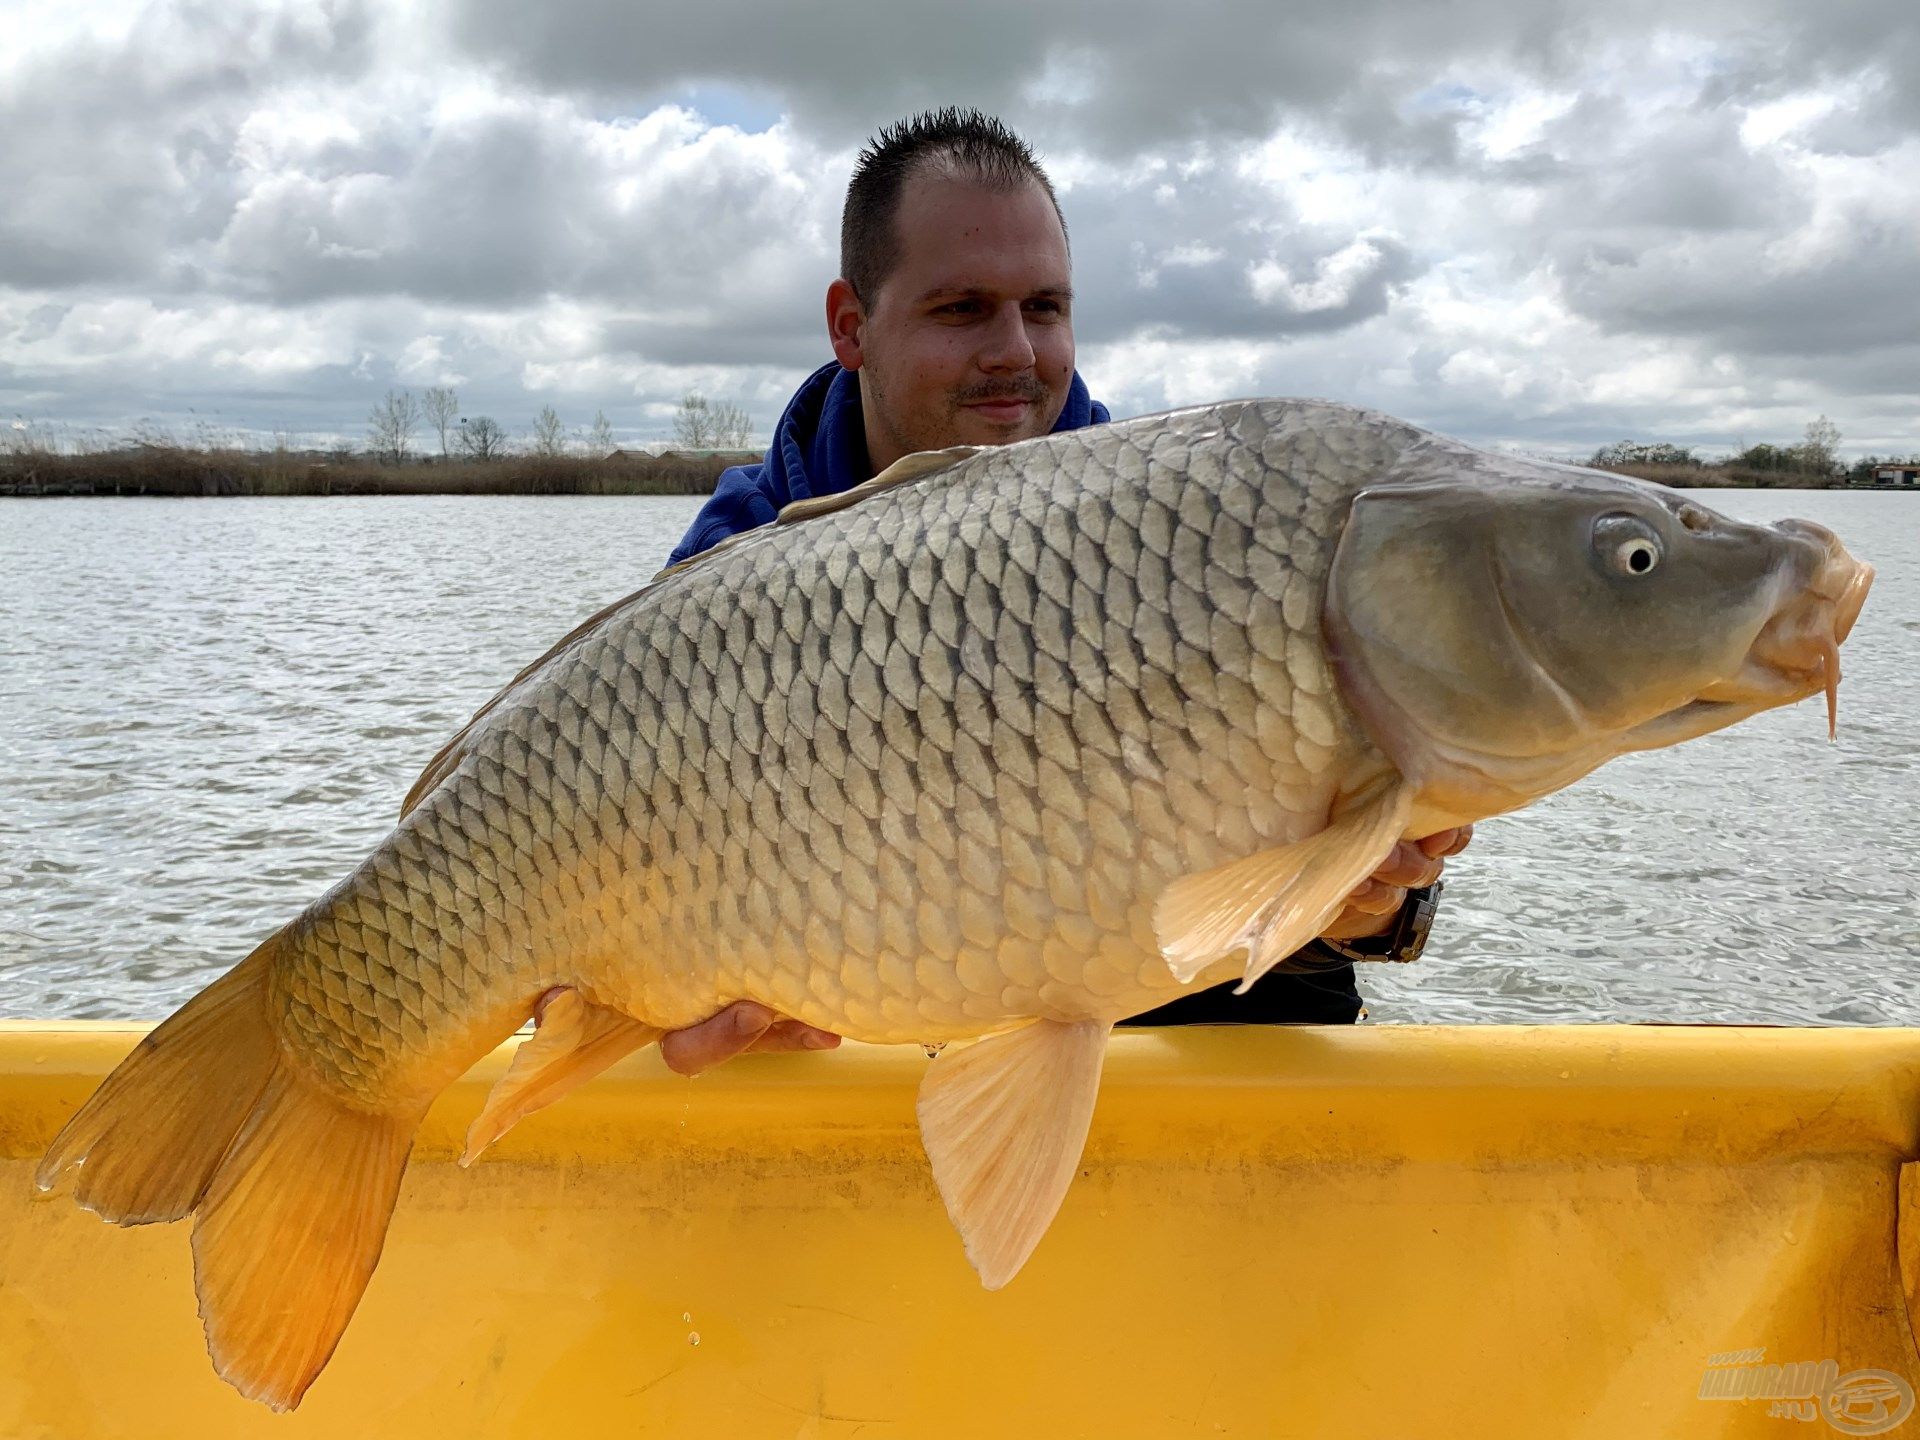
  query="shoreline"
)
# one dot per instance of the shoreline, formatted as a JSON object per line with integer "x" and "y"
{"x": 163, "y": 472}
{"x": 158, "y": 472}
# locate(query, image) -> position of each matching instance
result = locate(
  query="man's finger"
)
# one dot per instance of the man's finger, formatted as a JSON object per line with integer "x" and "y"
{"x": 1446, "y": 842}
{"x": 720, "y": 1037}
{"x": 1408, "y": 867}
{"x": 1357, "y": 923}
{"x": 1377, "y": 898}
{"x": 794, "y": 1035}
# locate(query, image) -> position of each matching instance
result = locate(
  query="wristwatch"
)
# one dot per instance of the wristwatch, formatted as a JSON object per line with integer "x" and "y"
{"x": 1408, "y": 937}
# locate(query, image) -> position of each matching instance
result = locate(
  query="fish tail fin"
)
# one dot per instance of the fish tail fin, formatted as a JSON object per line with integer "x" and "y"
{"x": 149, "y": 1140}
{"x": 288, "y": 1233}
{"x": 291, "y": 1186}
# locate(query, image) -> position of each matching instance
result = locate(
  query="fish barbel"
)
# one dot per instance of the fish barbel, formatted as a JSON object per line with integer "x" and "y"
{"x": 1010, "y": 743}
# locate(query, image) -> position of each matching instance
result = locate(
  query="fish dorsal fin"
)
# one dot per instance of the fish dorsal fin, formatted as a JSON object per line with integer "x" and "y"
{"x": 448, "y": 759}
{"x": 906, "y": 468}
{"x": 909, "y": 467}
{"x": 1275, "y": 901}
{"x": 1004, "y": 1121}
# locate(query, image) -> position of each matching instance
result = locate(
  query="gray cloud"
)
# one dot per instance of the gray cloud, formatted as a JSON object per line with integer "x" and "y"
{"x": 116, "y": 155}
{"x": 1730, "y": 294}
{"x": 1144, "y": 73}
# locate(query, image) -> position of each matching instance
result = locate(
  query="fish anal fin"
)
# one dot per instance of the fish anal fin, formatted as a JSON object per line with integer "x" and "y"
{"x": 1004, "y": 1121}
{"x": 289, "y": 1231}
{"x": 1275, "y": 901}
{"x": 573, "y": 1041}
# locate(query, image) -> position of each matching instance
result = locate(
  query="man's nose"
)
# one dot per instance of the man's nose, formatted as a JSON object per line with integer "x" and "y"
{"x": 1006, "y": 346}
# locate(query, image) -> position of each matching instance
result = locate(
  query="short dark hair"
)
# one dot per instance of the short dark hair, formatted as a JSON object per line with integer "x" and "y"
{"x": 973, "y": 144}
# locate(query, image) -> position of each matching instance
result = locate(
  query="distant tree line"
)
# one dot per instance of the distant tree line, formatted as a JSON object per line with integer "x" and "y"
{"x": 1815, "y": 461}
{"x": 476, "y": 455}
{"x": 393, "y": 424}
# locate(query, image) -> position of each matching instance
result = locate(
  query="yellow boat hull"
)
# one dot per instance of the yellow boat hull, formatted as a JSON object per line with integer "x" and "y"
{"x": 1392, "y": 1232}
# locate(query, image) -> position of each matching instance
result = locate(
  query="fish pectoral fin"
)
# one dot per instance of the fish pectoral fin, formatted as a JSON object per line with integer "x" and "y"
{"x": 1275, "y": 901}
{"x": 573, "y": 1041}
{"x": 1004, "y": 1121}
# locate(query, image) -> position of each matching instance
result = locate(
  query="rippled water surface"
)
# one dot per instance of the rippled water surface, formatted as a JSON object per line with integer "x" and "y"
{"x": 209, "y": 710}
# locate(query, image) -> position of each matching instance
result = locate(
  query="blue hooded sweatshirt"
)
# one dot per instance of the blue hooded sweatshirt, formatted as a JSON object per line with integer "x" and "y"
{"x": 819, "y": 448}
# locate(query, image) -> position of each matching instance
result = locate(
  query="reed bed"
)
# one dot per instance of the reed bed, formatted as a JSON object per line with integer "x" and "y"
{"x": 181, "y": 471}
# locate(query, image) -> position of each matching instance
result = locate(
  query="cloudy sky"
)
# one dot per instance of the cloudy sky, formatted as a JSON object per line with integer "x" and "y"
{"x": 1532, "y": 222}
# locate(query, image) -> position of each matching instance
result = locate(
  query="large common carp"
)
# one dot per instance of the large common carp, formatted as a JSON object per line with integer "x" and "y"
{"x": 1013, "y": 743}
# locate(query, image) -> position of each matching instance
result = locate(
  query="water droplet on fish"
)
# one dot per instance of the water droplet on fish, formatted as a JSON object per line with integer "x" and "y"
{"x": 693, "y": 1337}
{"x": 686, "y": 1317}
{"x": 933, "y": 1050}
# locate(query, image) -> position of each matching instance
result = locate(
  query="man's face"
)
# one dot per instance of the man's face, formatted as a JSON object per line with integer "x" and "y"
{"x": 970, "y": 339}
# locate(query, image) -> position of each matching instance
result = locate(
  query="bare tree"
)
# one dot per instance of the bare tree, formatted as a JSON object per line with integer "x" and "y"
{"x": 481, "y": 438}
{"x": 703, "y": 424}
{"x": 391, "y": 425}
{"x": 1822, "y": 444}
{"x": 732, "y": 427}
{"x": 548, "y": 437}
{"x": 599, "y": 440}
{"x": 442, "y": 407}
{"x": 693, "y": 424}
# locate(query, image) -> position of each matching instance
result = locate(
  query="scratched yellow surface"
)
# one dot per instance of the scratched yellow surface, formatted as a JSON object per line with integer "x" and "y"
{"x": 1390, "y": 1232}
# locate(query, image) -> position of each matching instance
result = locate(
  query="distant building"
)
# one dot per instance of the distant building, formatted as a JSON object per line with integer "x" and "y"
{"x": 1897, "y": 474}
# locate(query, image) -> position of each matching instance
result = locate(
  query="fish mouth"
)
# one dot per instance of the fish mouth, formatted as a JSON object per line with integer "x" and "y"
{"x": 1795, "y": 655}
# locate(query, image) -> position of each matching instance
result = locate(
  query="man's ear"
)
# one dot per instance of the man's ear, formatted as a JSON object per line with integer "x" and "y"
{"x": 846, "y": 325}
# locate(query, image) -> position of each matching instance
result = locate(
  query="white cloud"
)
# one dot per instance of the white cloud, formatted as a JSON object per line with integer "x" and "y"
{"x": 1549, "y": 224}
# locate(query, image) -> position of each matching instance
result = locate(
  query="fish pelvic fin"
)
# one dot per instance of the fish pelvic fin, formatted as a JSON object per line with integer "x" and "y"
{"x": 289, "y": 1232}
{"x": 1004, "y": 1121}
{"x": 291, "y": 1187}
{"x": 573, "y": 1041}
{"x": 1273, "y": 902}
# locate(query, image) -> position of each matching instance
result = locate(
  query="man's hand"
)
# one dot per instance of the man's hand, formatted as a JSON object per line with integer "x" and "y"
{"x": 1373, "y": 908}
{"x": 743, "y": 1026}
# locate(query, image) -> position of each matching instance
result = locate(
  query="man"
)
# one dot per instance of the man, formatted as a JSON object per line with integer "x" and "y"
{"x": 952, "y": 324}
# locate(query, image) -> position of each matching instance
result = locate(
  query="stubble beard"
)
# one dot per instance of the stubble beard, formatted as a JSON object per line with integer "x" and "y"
{"x": 911, "y": 433}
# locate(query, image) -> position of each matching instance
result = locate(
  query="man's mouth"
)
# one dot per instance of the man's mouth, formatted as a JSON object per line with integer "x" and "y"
{"x": 1003, "y": 410}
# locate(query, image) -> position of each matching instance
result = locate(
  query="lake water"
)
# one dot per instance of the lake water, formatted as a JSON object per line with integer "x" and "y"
{"x": 209, "y": 710}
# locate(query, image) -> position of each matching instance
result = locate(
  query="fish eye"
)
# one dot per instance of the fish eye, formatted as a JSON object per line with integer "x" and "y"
{"x": 1626, "y": 545}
